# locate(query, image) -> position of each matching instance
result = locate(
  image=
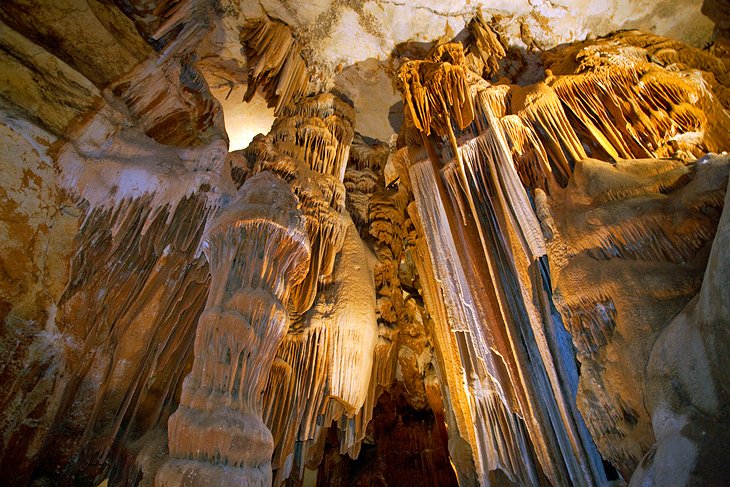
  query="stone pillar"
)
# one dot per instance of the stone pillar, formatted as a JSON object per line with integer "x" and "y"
{"x": 257, "y": 249}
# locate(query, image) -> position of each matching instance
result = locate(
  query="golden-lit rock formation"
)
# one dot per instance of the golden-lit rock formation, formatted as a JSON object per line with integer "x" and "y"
{"x": 524, "y": 285}
{"x": 602, "y": 99}
{"x": 275, "y": 62}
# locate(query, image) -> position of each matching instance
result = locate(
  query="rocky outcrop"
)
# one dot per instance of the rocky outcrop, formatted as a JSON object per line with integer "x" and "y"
{"x": 686, "y": 393}
{"x": 643, "y": 225}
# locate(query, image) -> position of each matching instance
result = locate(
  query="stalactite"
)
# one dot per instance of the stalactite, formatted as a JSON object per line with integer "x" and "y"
{"x": 104, "y": 177}
{"x": 539, "y": 389}
{"x": 274, "y": 62}
{"x": 541, "y": 108}
{"x": 354, "y": 333}
{"x": 529, "y": 156}
{"x": 486, "y": 190}
{"x": 293, "y": 401}
{"x": 309, "y": 146}
{"x": 477, "y": 359}
{"x": 129, "y": 398}
{"x": 330, "y": 354}
{"x": 486, "y": 44}
{"x": 485, "y": 157}
{"x": 136, "y": 275}
{"x": 170, "y": 103}
{"x": 436, "y": 90}
{"x": 632, "y": 109}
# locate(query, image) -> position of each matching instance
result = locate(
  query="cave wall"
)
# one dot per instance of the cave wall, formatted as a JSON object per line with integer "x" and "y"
{"x": 494, "y": 297}
{"x": 107, "y": 334}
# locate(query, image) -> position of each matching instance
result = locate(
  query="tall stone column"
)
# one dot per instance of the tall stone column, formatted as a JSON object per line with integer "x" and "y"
{"x": 257, "y": 249}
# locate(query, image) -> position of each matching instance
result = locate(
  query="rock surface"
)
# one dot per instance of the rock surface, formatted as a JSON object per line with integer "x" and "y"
{"x": 686, "y": 393}
{"x": 475, "y": 245}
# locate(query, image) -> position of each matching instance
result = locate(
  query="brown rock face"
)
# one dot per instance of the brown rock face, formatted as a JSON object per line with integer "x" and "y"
{"x": 95, "y": 371}
{"x": 687, "y": 394}
{"x": 644, "y": 225}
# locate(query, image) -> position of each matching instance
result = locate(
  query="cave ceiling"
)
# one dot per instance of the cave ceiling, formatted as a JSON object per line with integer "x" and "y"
{"x": 351, "y": 46}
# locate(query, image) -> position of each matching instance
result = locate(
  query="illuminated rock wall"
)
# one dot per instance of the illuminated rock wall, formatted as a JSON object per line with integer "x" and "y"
{"x": 498, "y": 151}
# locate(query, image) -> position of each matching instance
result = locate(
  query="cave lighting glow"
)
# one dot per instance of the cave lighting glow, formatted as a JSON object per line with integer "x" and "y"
{"x": 243, "y": 120}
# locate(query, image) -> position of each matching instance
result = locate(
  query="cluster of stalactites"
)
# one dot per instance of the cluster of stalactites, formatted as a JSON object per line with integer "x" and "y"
{"x": 605, "y": 101}
{"x": 436, "y": 90}
{"x": 274, "y": 62}
{"x": 363, "y": 177}
{"x": 308, "y": 146}
{"x": 629, "y": 112}
{"x": 624, "y": 107}
{"x": 608, "y": 102}
{"x": 318, "y": 131}
{"x": 328, "y": 366}
{"x": 336, "y": 360}
{"x": 487, "y": 49}
{"x": 364, "y": 156}
{"x": 676, "y": 56}
{"x": 617, "y": 112}
{"x": 538, "y": 134}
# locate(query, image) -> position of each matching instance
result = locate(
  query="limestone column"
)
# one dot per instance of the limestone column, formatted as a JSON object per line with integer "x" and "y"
{"x": 257, "y": 249}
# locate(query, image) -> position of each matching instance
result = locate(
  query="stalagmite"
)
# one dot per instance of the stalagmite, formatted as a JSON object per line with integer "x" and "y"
{"x": 256, "y": 248}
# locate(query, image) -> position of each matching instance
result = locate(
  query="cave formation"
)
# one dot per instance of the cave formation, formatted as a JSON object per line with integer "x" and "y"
{"x": 364, "y": 243}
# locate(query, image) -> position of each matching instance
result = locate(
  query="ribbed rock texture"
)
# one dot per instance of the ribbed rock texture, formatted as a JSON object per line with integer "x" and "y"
{"x": 256, "y": 249}
{"x": 525, "y": 286}
{"x": 612, "y": 99}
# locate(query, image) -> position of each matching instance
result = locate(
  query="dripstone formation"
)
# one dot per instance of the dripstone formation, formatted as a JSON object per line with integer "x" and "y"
{"x": 476, "y": 244}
